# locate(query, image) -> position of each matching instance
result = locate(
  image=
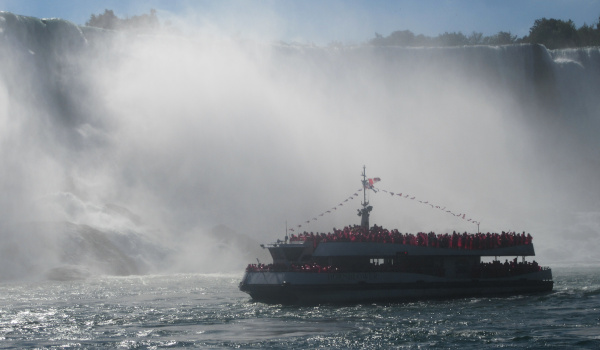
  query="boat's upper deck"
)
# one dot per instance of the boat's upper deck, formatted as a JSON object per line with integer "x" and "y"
{"x": 374, "y": 249}
{"x": 377, "y": 241}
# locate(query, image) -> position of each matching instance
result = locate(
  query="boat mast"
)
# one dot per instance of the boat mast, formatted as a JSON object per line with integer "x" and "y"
{"x": 364, "y": 212}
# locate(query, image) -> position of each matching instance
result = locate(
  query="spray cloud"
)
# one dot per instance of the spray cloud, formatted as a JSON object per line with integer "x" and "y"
{"x": 164, "y": 137}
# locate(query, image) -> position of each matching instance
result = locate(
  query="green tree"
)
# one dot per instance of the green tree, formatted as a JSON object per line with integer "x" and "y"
{"x": 108, "y": 20}
{"x": 475, "y": 38}
{"x": 397, "y": 38}
{"x": 553, "y": 33}
{"x": 589, "y": 35}
{"x": 502, "y": 38}
{"x": 452, "y": 39}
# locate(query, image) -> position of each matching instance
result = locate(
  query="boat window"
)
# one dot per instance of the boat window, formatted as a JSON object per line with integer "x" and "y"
{"x": 376, "y": 261}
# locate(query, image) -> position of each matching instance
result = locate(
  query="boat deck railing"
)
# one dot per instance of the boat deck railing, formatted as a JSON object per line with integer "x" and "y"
{"x": 494, "y": 269}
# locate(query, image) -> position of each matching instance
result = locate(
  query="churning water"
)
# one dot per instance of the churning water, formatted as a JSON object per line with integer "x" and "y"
{"x": 208, "y": 311}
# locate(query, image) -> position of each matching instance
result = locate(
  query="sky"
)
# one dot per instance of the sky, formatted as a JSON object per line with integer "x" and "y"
{"x": 323, "y": 22}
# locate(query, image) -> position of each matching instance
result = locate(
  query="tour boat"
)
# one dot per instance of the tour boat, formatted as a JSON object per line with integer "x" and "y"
{"x": 373, "y": 264}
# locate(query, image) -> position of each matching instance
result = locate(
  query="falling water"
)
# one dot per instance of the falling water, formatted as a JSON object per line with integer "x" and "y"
{"x": 132, "y": 154}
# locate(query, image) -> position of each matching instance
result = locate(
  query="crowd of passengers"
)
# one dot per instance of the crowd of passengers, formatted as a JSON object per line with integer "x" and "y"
{"x": 508, "y": 268}
{"x": 492, "y": 269}
{"x": 381, "y": 235}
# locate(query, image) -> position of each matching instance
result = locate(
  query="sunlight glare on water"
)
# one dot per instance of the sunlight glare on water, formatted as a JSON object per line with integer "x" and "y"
{"x": 191, "y": 310}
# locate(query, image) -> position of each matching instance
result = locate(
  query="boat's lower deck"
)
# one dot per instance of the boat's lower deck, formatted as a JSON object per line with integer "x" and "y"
{"x": 306, "y": 288}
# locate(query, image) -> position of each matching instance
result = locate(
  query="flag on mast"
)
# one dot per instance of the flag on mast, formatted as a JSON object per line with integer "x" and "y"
{"x": 370, "y": 182}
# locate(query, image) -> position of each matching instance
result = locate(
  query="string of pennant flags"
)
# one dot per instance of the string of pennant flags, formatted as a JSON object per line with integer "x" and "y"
{"x": 432, "y": 205}
{"x": 330, "y": 211}
{"x": 369, "y": 185}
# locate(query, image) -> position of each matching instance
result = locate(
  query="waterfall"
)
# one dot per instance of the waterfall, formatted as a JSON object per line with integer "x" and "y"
{"x": 185, "y": 133}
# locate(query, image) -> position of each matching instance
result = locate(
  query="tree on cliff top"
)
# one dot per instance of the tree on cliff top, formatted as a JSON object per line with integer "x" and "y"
{"x": 108, "y": 20}
{"x": 553, "y": 33}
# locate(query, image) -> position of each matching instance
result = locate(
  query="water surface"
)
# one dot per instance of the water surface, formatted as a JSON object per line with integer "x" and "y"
{"x": 208, "y": 311}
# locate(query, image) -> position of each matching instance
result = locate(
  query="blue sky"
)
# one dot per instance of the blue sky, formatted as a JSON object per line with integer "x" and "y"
{"x": 324, "y": 21}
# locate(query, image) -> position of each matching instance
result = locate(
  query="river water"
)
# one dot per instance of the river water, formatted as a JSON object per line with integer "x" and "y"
{"x": 208, "y": 311}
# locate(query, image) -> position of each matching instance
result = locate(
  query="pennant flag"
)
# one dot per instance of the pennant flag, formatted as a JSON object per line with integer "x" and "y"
{"x": 432, "y": 205}
{"x": 368, "y": 184}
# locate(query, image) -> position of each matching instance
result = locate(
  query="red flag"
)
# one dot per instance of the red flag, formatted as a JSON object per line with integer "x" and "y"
{"x": 370, "y": 182}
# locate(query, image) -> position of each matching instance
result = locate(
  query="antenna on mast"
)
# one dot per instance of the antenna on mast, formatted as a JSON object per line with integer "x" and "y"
{"x": 364, "y": 212}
